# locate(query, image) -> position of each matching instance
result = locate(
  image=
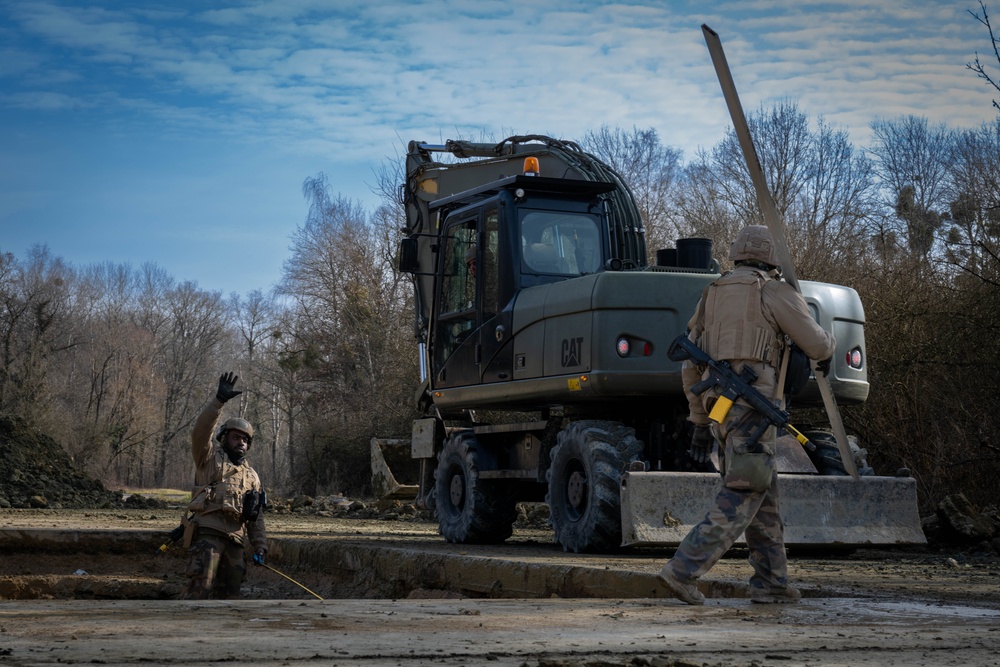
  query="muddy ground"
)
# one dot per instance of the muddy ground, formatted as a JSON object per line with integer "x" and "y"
{"x": 86, "y": 585}
{"x": 910, "y": 606}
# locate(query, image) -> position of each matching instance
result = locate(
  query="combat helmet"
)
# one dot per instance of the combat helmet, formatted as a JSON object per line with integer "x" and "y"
{"x": 236, "y": 424}
{"x": 754, "y": 243}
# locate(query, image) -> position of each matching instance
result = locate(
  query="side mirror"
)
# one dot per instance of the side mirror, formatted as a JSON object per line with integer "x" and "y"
{"x": 408, "y": 262}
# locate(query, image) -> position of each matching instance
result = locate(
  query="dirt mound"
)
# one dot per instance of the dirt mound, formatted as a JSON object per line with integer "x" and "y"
{"x": 958, "y": 522}
{"x": 35, "y": 472}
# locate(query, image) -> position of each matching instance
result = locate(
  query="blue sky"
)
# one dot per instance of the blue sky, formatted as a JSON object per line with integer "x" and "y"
{"x": 181, "y": 132}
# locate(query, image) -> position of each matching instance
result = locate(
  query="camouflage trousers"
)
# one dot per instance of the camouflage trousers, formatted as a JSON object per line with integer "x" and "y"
{"x": 736, "y": 512}
{"x": 216, "y": 567}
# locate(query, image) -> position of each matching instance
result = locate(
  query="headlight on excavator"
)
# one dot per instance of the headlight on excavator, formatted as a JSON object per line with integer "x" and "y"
{"x": 854, "y": 359}
{"x": 624, "y": 347}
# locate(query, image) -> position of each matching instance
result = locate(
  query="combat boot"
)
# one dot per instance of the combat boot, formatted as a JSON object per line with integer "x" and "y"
{"x": 784, "y": 595}
{"x": 685, "y": 591}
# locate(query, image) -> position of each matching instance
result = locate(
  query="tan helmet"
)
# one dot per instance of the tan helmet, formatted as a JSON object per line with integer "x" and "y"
{"x": 236, "y": 424}
{"x": 755, "y": 243}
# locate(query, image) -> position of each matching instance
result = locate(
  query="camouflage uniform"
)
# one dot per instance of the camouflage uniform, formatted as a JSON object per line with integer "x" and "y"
{"x": 736, "y": 512}
{"x": 743, "y": 318}
{"x": 218, "y": 528}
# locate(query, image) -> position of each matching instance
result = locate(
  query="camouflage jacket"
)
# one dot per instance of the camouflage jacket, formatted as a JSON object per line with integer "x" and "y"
{"x": 220, "y": 487}
{"x": 780, "y": 306}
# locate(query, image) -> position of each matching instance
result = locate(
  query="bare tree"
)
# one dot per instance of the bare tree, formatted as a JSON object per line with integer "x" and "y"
{"x": 974, "y": 190}
{"x": 705, "y": 200}
{"x": 294, "y": 362}
{"x": 189, "y": 353}
{"x": 977, "y": 65}
{"x": 255, "y": 321}
{"x": 36, "y": 327}
{"x": 251, "y": 316}
{"x": 347, "y": 329}
{"x": 389, "y": 178}
{"x": 835, "y": 205}
{"x": 929, "y": 325}
{"x": 651, "y": 171}
{"x": 911, "y": 159}
{"x": 821, "y": 186}
{"x": 113, "y": 403}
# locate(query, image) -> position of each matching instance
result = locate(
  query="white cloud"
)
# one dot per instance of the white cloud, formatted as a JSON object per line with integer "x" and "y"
{"x": 335, "y": 87}
{"x": 41, "y": 101}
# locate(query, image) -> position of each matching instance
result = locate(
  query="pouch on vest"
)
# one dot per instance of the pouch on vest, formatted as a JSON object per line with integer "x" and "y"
{"x": 199, "y": 498}
{"x": 190, "y": 525}
{"x": 798, "y": 371}
{"x": 748, "y": 469}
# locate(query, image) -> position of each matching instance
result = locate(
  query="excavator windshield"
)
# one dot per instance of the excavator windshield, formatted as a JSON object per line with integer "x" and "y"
{"x": 558, "y": 242}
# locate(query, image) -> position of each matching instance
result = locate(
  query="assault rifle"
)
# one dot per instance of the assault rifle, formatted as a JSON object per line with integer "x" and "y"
{"x": 175, "y": 535}
{"x": 733, "y": 386}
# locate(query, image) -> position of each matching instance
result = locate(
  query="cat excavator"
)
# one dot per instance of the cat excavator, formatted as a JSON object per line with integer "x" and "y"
{"x": 542, "y": 332}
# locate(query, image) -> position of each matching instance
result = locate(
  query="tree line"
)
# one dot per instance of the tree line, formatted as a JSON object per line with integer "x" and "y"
{"x": 115, "y": 361}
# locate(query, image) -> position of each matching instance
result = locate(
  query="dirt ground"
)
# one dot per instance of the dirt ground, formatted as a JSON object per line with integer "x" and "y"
{"x": 888, "y": 607}
{"x": 90, "y": 586}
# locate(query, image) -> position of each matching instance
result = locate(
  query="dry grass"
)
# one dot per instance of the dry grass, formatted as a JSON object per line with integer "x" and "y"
{"x": 172, "y": 496}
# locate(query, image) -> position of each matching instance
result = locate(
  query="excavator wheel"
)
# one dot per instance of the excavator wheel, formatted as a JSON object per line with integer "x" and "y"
{"x": 470, "y": 510}
{"x": 584, "y": 484}
{"x": 826, "y": 456}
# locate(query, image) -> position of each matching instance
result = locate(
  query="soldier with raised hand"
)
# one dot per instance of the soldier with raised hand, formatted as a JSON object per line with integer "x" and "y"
{"x": 743, "y": 318}
{"x": 227, "y": 502}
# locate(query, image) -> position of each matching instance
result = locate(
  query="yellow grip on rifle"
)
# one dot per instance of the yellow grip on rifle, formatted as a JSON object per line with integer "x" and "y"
{"x": 720, "y": 409}
{"x": 803, "y": 440}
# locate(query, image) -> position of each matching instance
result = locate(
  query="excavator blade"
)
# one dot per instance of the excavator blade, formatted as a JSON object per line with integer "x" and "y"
{"x": 659, "y": 508}
{"x": 393, "y": 470}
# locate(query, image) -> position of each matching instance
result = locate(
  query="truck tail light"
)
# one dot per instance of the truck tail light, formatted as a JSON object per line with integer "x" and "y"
{"x": 626, "y": 345}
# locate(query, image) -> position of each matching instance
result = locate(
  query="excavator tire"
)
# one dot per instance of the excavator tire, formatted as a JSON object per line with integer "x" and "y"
{"x": 470, "y": 510}
{"x": 584, "y": 484}
{"x": 826, "y": 456}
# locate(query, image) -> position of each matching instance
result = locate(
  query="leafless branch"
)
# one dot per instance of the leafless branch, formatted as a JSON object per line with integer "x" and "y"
{"x": 977, "y": 66}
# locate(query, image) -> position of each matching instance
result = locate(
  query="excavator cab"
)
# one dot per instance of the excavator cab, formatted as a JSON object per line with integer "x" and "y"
{"x": 513, "y": 234}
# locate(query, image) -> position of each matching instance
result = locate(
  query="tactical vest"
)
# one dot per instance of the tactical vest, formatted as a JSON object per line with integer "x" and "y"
{"x": 228, "y": 489}
{"x": 735, "y": 326}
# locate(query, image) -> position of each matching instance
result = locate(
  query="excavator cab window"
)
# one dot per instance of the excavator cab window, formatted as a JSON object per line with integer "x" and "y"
{"x": 469, "y": 297}
{"x": 487, "y": 262}
{"x": 561, "y": 243}
{"x": 457, "y": 302}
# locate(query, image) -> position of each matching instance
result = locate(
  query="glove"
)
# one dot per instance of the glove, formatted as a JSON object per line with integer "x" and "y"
{"x": 226, "y": 383}
{"x": 824, "y": 366}
{"x": 258, "y": 558}
{"x": 702, "y": 440}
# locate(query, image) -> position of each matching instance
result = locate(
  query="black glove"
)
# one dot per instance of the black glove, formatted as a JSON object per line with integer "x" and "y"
{"x": 253, "y": 504}
{"x": 176, "y": 534}
{"x": 824, "y": 366}
{"x": 226, "y": 383}
{"x": 702, "y": 440}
